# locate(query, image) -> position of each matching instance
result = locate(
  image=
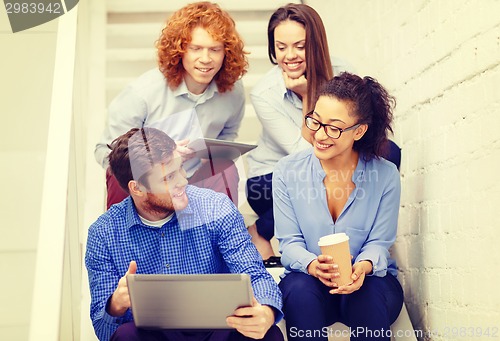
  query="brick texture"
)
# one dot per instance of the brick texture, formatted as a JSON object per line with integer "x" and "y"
{"x": 441, "y": 59}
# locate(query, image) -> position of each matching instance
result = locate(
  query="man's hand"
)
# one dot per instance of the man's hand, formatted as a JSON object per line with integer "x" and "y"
{"x": 120, "y": 300}
{"x": 185, "y": 152}
{"x": 254, "y": 321}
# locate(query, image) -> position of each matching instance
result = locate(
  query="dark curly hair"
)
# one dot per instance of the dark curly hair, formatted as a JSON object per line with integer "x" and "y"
{"x": 370, "y": 102}
{"x": 134, "y": 154}
{"x": 176, "y": 35}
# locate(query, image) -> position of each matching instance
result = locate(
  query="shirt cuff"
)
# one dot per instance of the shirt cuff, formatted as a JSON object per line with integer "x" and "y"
{"x": 113, "y": 320}
{"x": 278, "y": 314}
{"x": 379, "y": 265}
{"x": 108, "y": 319}
{"x": 302, "y": 264}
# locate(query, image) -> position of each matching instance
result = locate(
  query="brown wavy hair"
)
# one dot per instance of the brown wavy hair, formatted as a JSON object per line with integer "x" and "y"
{"x": 176, "y": 35}
{"x": 318, "y": 64}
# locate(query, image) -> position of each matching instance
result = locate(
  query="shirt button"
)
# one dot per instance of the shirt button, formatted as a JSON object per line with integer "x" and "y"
{"x": 167, "y": 266}
{"x": 163, "y": 234}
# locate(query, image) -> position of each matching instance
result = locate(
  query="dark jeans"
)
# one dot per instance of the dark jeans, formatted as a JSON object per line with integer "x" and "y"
{"x": 260, "y": 198}
{"x": 308, "y": 306}
{"x": 219, "y": 175}
{"x": 129, "y": 332}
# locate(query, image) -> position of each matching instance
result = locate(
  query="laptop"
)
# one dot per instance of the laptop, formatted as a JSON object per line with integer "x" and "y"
{"x": 187, "y": 301}
{"x": 212, "y": 148}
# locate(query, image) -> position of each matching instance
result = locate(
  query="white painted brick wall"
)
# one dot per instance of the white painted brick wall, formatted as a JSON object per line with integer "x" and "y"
{"x": 441, "y": 59}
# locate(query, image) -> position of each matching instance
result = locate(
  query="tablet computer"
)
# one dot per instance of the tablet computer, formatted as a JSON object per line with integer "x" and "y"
{"x": 212, "y": 148}
{"x": 187, "y": 301}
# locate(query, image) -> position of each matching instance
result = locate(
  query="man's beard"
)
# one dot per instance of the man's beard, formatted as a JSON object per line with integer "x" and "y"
{"x": 157, "y": 206}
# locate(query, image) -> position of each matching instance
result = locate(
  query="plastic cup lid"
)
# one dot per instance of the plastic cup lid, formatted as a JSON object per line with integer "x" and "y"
{"x": 334, "y": 238}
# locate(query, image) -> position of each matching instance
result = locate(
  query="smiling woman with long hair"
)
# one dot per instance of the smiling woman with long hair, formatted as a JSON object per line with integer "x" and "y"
{"x": 298, "y": 47}
{"x": 350, "y": 189}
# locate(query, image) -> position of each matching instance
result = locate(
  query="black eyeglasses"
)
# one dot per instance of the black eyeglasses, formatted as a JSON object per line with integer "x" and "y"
{"x": 332, "y": 131}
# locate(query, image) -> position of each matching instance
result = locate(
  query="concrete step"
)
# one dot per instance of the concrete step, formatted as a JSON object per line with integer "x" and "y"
{"x": 257, "y": 52}
{"x": 253, "y": 31}
{"x": 250, "y": 128}
{"x": 250, "y": 79}
{"x": 130, "y": 6}
{"x": 127, "y": 69}
{"x": 131, "y": 54}
{"x": 250, "y": 111}
{"x": 132, "y": 35}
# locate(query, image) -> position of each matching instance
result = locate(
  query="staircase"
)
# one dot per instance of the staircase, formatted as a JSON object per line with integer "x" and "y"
{"x": 133, "y": 27}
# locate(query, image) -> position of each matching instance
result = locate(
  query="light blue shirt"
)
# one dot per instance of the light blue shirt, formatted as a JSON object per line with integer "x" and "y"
{"x": 149, "y": 102}
{"x": 369, "y": 217}
{"x": 280, "y": 113}
{"x": 208, "y": 236}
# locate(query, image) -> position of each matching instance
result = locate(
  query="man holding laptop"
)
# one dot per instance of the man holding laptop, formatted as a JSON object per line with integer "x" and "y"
{"x": 166, "y": 226}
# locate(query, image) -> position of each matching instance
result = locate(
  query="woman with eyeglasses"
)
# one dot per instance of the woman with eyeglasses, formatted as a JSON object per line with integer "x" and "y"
{"x": 341, "y": 184}
{"x": 298, "y": 48}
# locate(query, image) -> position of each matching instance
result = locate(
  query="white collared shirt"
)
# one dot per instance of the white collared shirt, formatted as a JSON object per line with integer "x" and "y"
{"x": 149, "y": 102}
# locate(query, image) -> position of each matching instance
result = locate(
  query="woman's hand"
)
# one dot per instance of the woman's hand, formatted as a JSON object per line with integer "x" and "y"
{"x": 324, "y": 269}
{"x": 297, "y": 85}
{"x": 359, "y": 271}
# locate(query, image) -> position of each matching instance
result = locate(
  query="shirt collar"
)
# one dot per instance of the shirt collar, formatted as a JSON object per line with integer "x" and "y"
{"x": 182, "y": 90}
{"x": 359, "y": 173}
{"x": 357, "y": 177}
{"x": 132, "y": 217}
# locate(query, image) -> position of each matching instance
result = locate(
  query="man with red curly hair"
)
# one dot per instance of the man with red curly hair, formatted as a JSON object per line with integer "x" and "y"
{"x": 195, "y": 92}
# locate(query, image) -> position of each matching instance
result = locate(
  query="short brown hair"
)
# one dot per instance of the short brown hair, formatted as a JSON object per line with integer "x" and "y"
{"x": 176, "y": 35}
{"x": 134, "y": 154}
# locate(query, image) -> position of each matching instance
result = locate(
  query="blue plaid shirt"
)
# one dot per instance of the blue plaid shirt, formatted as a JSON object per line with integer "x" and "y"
{"x": 208, "y": 236}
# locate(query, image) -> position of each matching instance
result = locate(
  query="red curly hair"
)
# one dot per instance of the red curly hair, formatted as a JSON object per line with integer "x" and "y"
{"x": 176, "y": 35}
